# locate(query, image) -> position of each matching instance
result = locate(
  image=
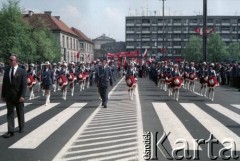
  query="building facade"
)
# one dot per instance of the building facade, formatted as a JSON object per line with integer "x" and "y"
{"x": 86, "y": 46}
{"x": 103, "y": 39}
{"x": 113, "y": 47}
{"x": 173, "y": 32}
{"x": 71, "y": 41}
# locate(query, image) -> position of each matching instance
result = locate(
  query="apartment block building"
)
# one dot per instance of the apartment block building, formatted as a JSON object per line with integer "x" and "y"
{"x": 173, "y": 32}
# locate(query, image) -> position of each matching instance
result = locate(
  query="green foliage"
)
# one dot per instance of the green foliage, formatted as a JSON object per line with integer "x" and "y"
{"x": 234, "y": 51}
{"x": 216, "y": 48}
{"x": 193, "y": 50}
{"x": 30, "y": 43}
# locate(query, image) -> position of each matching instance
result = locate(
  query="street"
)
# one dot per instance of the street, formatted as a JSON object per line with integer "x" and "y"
{"x": 79, "y": 129}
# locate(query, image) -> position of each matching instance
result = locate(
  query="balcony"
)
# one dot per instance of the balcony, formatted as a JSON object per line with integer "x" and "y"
{"x": 210, "y": 24}
{"x": 145, "y": 39}
{"x": 160, "y": 24}
{"x": 193, "y": 24}
{"x": 146, "y": 32}
{"x": 225, "y": 32}
{"x": 138, "y": 39}
{"x": 146, "y": 24}
{"x": 130, "y": 47}
{"x": 154, "y": 39}
{"x": 177, "y": 24}
{"x": 177, "y": 39}
{"x": 177, "y": 47}
{"x": 130, "y": 32}
{"x": 130, "y": 39}
{"x": 138, "y": 24}
{"x": 225, "y": 24}
{"x": 130, "y": 24}
{"x": 160, "y": 32}
{"x": 146, "y": 46}
{"x": 160, "y": 47}
{"x": 161, "y": 39}
{"x": 177, "y": 32}
{"x": 226, "y": 39}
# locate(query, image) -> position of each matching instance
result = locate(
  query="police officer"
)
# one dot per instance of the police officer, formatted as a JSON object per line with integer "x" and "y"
{"x": 103, "y": 78}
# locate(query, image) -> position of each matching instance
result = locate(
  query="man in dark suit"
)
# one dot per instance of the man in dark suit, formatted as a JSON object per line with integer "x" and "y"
{"x": 13, "y": 92}
{"x": 103, "y": 79}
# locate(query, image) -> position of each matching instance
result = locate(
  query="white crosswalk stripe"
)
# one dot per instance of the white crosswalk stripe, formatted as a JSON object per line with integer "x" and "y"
{"x": 30, "y": 115}
{"x": 37, "y": 136}
{"x": 237, "y": 106}
{"x": 215, "y": 127}
{"x": 172, "y": 124}
{"x": 2, "y": 104}
{"x": 4, "y": 111}
{"x": 226, "y": 112}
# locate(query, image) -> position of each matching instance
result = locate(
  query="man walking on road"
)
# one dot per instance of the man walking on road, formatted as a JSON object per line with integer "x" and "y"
{"x": 103, "y": 77}
{"x": 13, "y": 92}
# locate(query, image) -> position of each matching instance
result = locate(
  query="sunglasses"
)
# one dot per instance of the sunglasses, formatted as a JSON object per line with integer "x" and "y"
{"x": 12, "y": 60}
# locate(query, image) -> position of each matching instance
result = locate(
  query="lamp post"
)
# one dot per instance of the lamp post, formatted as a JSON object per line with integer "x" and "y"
{"x": 204, "y": 30}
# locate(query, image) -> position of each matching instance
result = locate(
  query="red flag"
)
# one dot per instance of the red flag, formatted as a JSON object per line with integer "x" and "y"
{"x": 199, "y": 30}
{"x": 145, "y": 53}
{"x": 78, "y": 54}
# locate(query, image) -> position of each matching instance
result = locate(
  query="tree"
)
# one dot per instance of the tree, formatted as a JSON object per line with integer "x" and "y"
{"x": 216, "y": 48}
{"x": 193, "y": 50}
{"x": 13, "y": 35}
{"x": 30, "y": 42}
{"x": 234, "y": 51}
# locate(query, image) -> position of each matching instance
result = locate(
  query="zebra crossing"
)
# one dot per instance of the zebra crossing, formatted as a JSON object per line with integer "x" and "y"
{"x": 116, "y": 133}
{"x": 214, "y": 126}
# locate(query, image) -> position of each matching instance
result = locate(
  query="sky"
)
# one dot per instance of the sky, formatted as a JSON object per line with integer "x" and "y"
{"x": 97, "y": 17}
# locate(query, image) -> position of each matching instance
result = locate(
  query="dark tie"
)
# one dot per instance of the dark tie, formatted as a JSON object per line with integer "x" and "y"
{"x": 12, "y": 73}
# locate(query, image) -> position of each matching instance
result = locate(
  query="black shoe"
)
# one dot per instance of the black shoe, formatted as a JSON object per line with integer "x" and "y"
{"x": 21, "y": 131}
{"x": 8, "y": 135}
{"x": 105, "y": 106}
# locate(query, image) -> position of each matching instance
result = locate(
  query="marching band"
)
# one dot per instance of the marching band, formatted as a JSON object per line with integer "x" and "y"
{"x": 167, "y": 75}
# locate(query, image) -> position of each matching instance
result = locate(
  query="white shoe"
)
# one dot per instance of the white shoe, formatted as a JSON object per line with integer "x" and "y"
{"x": 71, "y": 94}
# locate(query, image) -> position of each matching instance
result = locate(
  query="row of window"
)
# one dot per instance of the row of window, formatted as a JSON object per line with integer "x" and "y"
{"x": 174, "y": 36}
{"x": 155, "y": 44}
{"x": 74, "y": 44}
{"x": 183, "y": 20}
{"x": 180, "y": 28}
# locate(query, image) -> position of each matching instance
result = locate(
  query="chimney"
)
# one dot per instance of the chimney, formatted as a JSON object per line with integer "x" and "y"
{"x": 57, "y": 17}
{"x": 30, "y": 13}
{"x": 48, "y": 13}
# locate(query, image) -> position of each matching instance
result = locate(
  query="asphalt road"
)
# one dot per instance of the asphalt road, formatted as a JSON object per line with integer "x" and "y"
{"x": 79, "y": 129}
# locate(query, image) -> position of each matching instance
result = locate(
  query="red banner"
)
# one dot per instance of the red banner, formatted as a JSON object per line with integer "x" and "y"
{"x": 134, "y": 53}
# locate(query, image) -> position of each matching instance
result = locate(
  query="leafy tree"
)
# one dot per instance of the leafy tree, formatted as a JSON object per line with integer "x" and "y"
{"x": 31, "y": 42}
{"x": 13, "y": 35}
{"x": 234, "y": 51}
{"x": 193, "y": 50}
{"x": 216, "y": 48}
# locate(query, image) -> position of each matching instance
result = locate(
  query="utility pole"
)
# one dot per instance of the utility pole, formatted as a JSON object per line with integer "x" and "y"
{"x": 204, "y": 30}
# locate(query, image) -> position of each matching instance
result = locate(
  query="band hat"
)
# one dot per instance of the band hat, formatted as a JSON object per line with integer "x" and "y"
{"x": 47, "y": 63}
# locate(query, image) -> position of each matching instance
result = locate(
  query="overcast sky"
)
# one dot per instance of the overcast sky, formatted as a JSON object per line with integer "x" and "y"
{"x": 97, "y": 17}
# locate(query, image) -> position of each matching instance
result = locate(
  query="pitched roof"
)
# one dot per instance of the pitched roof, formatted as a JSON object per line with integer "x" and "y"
{"x": 81, "y": 35}
{"x": 104, "y": 37}
{"x": 51, "y": 22}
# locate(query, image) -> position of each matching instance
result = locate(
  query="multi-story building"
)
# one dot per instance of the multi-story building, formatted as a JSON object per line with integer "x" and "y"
{"x": 103, "y": 39}
{"x": 113, "y": 47}
{"x": 173, "y": 32}
{"x": 71, "y": 40}
{"x": 86, "y": 46}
